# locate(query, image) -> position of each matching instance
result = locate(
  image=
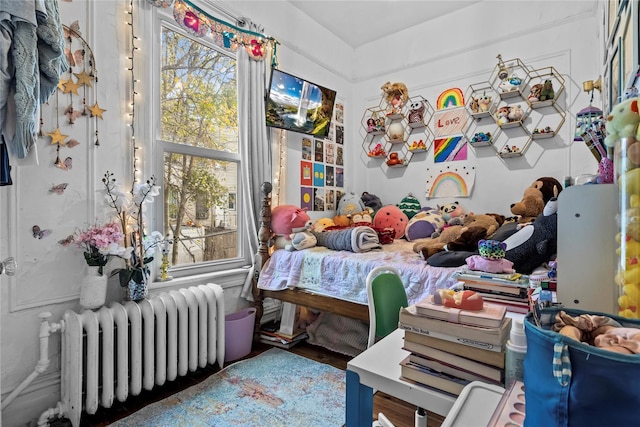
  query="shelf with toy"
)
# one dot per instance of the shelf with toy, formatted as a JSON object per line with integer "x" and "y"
{"x": 482, "y": 100}
{"x": 546, "y": 88}
{"x": 419, "y": 112}
{"x": 546, "y": 122}
{"x": 373, "y": 121}
{"x": 510, "y": 116}
{"x": 418, "y": 146}
{"x": 481, "y": 139}
{"x": 509, "y": 78}
{"x": 512, "y": 142}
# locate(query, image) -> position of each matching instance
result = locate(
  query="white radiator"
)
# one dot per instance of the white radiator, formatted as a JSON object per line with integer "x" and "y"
{"x": 117, "y": 351}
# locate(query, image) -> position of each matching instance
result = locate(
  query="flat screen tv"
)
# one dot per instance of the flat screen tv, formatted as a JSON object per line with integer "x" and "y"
{"x": 298, "y": 105}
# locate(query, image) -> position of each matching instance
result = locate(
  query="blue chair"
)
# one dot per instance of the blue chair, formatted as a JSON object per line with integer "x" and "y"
{"x": 386, "y": 295}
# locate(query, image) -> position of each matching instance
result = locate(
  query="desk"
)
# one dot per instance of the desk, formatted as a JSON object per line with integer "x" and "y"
{"x": 378, "y": 368}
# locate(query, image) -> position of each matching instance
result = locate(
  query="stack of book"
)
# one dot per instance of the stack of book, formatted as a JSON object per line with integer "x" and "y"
{"x": 447, "y": 355}
{"x": 510, "y": 290}
{"x": 281, "y": 340}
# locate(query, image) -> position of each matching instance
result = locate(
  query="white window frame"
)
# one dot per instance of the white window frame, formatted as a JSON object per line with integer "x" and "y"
{"x": 152, "y": 27}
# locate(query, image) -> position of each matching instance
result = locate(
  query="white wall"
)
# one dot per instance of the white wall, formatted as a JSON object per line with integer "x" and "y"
{"x": 49, "y": 276}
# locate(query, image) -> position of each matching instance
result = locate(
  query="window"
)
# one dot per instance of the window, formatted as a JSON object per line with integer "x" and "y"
{"x": 232, "y": 201}
{"x": 198, "y": 141}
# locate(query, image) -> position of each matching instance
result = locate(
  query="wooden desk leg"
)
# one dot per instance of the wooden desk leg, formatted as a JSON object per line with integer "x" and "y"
{"x": 359, "y": 405}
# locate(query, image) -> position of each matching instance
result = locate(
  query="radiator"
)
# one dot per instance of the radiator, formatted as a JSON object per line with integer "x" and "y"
{"x": 117, "y": 351}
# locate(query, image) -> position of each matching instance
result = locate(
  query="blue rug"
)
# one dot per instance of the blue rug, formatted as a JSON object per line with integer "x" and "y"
{"x": 275, "y": 388}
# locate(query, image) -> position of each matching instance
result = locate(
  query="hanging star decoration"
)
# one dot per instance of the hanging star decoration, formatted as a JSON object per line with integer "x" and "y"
{"x": 71, "y": 86}
{"x": 57, "y": 137}
{"x": 84, "y": 78}
{"x": 61, "y": 84}
{"x": 96, "y": 111}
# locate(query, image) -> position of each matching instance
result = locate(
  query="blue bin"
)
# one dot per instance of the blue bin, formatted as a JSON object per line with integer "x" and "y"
{"x": 238, "y": 333}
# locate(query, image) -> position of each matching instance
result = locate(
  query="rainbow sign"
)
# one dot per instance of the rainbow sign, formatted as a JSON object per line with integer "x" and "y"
{"x": 448, "y": 184}
{"x": 452, "y": 97}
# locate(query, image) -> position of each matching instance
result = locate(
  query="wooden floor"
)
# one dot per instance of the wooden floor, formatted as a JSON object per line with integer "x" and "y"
{"x": 398, "y": 412}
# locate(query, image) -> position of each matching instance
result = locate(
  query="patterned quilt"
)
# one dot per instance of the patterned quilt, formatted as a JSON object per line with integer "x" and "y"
{"x": 343, "y": 274}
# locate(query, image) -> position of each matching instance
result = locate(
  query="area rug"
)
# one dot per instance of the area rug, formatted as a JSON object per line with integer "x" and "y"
{"x": 275, "y": 388}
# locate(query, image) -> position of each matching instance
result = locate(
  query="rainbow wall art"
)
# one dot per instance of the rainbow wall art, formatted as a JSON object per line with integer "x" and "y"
{"x": 456, "y": 182}
{"x": 450, "y": 98}
{"x": 453, "y": 148}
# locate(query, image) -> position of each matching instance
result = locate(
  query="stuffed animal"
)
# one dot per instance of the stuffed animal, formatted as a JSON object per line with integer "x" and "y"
{"x": 531, "y": 205}
{"x": 350, "y": 203}
{"x": 424, "y": 224}
{"x": 391, "y": 216}
{"x": 478, "y": 227}
{"x": 474, "y": 105}
{"x": 371, "y": 201}
{"x": 491, "y": 258}
{"x": 302, "y": 238}
{"x": 323, "y": 223}
{"x": 452, "y": 213}
{"x": 515, "y": 113}
{"x": 536, "y": 243}
{"x": 623, "y": 121}
{"x": 285, "y": 218}
{"x": 549, "y": 186}
{"x": 484, "y": 103}
{"x": 429, "y": 246}
{"x": 361, "y": 218}
{"x": 547, "y": 92}
{"x": 416, "y": 113}
{"x": 397, "y": 92}
{"x": 534, "y": 95}
{"x": 342, "y": 220}
{"x": 502, "y": 115}
{"x": 410, "y": 205}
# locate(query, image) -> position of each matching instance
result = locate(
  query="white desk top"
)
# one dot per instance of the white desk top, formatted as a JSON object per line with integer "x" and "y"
{"x": 379, "y": 368}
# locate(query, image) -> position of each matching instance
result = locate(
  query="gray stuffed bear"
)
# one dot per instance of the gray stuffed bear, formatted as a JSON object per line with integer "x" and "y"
{"x": 536, "y": 243}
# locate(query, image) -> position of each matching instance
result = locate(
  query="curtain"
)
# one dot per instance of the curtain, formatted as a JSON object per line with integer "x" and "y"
{"x": 254, "y": 145}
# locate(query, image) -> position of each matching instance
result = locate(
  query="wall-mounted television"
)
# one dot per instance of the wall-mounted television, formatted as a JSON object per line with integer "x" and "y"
{"x": 298, "y": 105}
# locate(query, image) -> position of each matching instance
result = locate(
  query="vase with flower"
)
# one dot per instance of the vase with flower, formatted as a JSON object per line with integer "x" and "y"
{"x": 130, "y": 210}
{"x": 98, "y": 242}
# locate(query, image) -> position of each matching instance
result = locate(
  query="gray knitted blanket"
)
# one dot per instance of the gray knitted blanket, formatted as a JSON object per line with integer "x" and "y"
{"x": 356, "y": 239}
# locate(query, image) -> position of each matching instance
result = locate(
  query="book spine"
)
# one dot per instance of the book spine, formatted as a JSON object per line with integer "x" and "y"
{"x": 446, "y": 337}
{"x": 463, "y": 318}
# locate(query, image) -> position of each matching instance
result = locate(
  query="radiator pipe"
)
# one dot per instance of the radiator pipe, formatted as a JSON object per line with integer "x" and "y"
{"x": 46, "y": 329}
{"x": 50, "y": 413}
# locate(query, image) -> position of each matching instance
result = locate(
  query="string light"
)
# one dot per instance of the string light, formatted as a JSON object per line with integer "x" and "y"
{"x": 280, "y": 176}
{"x": 135, "y": 151}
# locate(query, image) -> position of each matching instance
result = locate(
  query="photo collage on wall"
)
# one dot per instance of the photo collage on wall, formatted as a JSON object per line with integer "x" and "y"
{"x": 322, "y": 167}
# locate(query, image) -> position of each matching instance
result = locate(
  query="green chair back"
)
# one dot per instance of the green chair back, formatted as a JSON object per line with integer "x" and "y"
{"x": 386, "y": 296}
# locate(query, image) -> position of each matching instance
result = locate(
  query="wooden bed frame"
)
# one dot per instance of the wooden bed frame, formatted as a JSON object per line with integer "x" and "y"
{"x": 295, "y": 296}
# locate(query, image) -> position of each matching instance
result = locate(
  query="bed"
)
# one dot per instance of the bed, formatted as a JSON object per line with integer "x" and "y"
{"x": 335, "y": 281}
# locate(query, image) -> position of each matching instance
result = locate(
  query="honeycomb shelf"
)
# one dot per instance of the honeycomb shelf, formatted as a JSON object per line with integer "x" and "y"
{"x": 525, "y": 104}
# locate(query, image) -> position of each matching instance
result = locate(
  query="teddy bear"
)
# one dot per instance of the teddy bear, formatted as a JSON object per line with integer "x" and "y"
{"x": 395, "y": 92}
{"x": 623, "y": 122}
{"x": 531, "y": 205}
{"x": 547, "y": 92}
{"x": 459, "y": 237}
